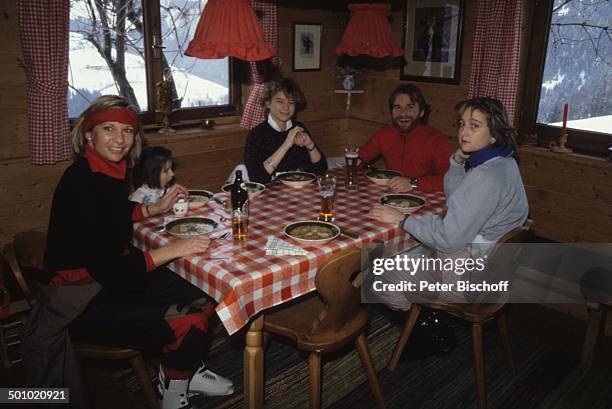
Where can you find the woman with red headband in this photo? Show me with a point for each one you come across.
(107, 291)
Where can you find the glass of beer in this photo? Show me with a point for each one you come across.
(327, 189)
(351, 155)
(240, 222)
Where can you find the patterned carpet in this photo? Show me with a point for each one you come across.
(544, 380)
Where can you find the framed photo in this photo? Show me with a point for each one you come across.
(306, 47)
(432, 40)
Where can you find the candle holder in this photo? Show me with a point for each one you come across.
(164, 104)
(561, 146)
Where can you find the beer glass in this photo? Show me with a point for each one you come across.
(327, 189)
(240, 222)
(351, 155)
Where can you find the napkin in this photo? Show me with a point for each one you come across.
(278, 247)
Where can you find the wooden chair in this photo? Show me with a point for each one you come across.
(596, 288)
(329, 321)
(27, 250)
(477, 315)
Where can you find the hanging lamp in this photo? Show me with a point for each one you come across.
(369, 32)
(229, 28)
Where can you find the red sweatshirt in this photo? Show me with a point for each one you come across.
(423, 153)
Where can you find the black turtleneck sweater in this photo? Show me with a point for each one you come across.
(263, 140)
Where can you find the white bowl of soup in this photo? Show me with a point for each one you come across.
(381, 177)
(403, 202)
(312, 232)
(296, 179)
(253, 188)
(198, 198)
(190, 226)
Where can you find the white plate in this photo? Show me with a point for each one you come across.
(254, 188)
(381, 177)
(190, 226)
(198, 198)
(388, 200)
(286, 179)
(333, 229)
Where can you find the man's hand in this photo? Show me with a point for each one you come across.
(386, 214)
(400, 184)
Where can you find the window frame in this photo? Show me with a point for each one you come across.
(151, 18)
(592, 143)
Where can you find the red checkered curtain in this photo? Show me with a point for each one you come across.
(261, 71)
(496, 56)
(43, 28)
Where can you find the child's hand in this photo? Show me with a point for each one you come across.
(168, 200)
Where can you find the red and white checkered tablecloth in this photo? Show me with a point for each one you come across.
(243, 280)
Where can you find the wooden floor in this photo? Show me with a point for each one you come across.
(557, 331)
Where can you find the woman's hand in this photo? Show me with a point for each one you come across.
(180, 248)
(303, 139)
(292, 135)
(400, 184)
(386, 214)
(191, 245)
(168, 200)
(459, 156)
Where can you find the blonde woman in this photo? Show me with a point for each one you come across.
(107, 291)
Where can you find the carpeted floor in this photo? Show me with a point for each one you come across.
(546, 378)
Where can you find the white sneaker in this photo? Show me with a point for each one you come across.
(174, 394)
(209, 383)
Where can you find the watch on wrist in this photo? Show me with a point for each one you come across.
(414, 182)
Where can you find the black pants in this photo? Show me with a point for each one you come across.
(139, 320)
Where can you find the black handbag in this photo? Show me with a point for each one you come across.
(433, 334)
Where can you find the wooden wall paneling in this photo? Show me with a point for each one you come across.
(13, 120)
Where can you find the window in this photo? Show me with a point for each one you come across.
(572, 63)
(126, 47)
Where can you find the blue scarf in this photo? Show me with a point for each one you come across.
(482, 155)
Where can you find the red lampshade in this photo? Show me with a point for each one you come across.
(229, 28)
(368, 32)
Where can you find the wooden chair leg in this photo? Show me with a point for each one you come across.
(597, 316)
(479, 365)
(368, 365)
(142, 375)
(314, 367)
(403, 339)
(502, 324)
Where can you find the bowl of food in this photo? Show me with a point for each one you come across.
(404, 203)
(190, 226)
(198, 198)
(253, 188)
(312, 232)
(381, 177)
(296, 179)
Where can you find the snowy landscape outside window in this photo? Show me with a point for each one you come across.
(578, 66)
(109, 54)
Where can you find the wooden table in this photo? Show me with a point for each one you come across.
(245, 282)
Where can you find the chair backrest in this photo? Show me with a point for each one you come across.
(334, 283)
(26, 250)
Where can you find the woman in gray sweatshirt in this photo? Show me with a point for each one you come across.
(485, 199)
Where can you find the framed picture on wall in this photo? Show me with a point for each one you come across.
(306, 47)
(432, 40)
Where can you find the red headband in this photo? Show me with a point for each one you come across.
(123, 115)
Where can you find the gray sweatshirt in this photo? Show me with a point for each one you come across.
(483, 204)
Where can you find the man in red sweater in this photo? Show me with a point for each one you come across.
(420, 152)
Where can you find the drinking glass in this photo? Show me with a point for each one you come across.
(327, 189)
(351, 155)
(240, 222)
